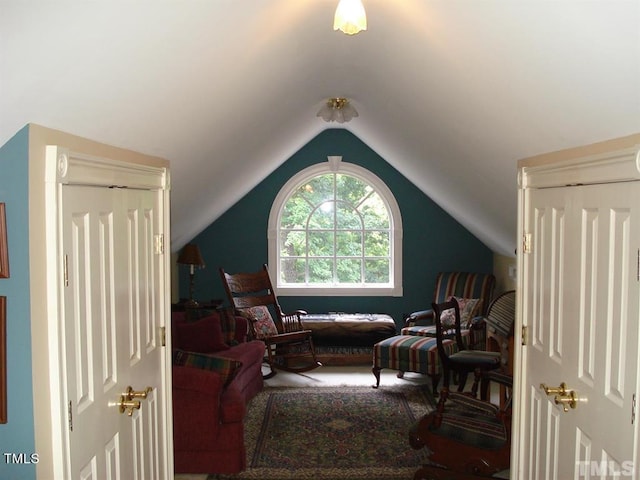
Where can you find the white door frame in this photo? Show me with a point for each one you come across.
(576, 166)
(64, 167)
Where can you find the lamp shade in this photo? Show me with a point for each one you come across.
(350, 17)
(190, 255)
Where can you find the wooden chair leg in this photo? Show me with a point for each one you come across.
(484, 389)
(435, 379)
(477, 378)
(270, 361)
(376, 373)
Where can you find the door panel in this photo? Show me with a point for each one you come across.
(111, 326)
(544, 301)
(580, 304)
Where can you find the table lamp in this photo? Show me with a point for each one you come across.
(190, 255)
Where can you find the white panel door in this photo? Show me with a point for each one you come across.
(580, 307)
(112, 333)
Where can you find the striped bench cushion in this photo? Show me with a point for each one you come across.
(410, 353)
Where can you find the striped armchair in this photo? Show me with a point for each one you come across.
(462, 285)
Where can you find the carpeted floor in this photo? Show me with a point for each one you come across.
(334, 433)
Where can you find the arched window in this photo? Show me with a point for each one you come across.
(335, 229)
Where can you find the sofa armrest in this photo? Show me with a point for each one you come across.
(196, 407)
(422, 317)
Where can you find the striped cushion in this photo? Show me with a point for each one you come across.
(430, 331)
(472, 428)
(409, 353)
(225, 367)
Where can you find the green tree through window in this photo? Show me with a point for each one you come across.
(335, 229)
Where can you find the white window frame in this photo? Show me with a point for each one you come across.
(335, 165)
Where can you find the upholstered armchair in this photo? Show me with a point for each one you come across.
(473, 292)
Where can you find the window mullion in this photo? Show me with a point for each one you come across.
(335, 229)
(371, 199)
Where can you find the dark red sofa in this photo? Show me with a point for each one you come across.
(216, 371)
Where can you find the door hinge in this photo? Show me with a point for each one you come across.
(525, 335)
(158, 244)
(65, 270)
(638, 266)
(526, 243)
(633, 409)
(163, 336)
(70, 411)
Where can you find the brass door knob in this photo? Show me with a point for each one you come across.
(568, 400)
(561, 390)
(130, 394)
(128, 406)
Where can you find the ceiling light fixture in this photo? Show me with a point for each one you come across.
(337, 109)
(350, 17)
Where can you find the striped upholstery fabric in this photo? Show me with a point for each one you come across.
(409, 353)
(461, 285)
(465, 285)
(472, 428)
(430, 331)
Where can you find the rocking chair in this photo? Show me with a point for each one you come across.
(289, 346)
(468, 438)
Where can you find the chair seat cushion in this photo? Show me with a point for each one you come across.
(471, 428)
(476, 357)
(430, 331)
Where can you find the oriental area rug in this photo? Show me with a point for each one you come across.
(334, 433)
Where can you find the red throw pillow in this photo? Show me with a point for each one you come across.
(201, 336)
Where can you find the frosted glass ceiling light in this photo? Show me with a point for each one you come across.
(337, 110)
(350, 17)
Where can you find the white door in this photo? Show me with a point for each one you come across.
(112, 332)
(580, 308)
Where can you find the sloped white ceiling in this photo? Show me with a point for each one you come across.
(450, 92)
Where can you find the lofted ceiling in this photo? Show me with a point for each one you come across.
(450, 92)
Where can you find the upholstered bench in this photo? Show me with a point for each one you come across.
(347, 338)
(410, 353)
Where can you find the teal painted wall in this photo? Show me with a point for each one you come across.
(17, 436)
(433, 241)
